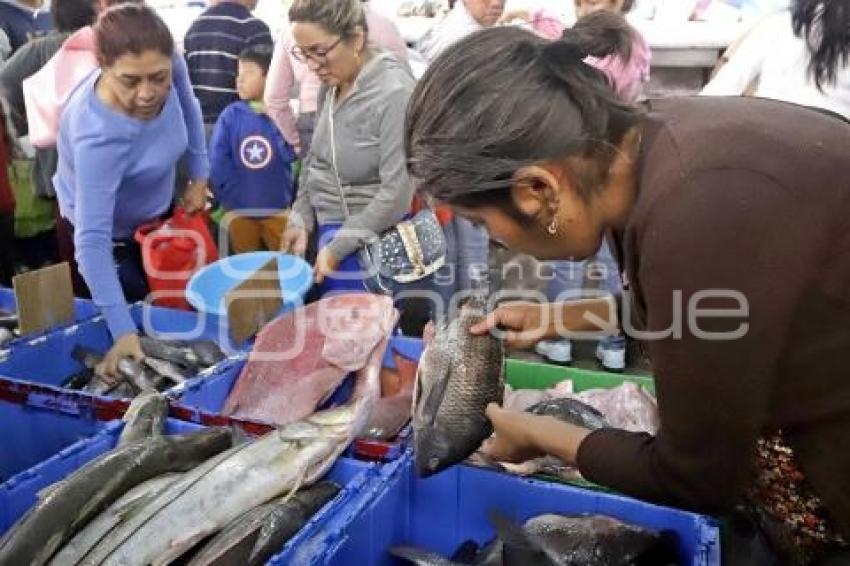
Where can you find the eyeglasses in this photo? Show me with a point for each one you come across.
(316, 54)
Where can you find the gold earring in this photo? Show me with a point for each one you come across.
(553, 227)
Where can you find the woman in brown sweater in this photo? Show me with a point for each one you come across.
(731, 218)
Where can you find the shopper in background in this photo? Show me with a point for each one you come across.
(251, 164)
(122, 133)
(7, 200)
(213, 44)
(705, 200)
(21, 21)
(68, 17)
(799, 55)
(357, 146)
(286, 72)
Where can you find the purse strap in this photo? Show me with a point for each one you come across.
(330, 106)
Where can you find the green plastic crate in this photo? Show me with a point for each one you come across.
(522, 374)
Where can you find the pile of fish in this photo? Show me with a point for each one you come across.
(301, 358)
(156, 499)
(459, 375)
(166, 364)
(8, 326)
(558, 540)
(628, 406)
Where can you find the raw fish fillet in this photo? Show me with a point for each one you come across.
(300, 358)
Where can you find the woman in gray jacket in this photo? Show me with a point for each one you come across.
(357, 146)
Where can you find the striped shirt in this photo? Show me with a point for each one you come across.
(213, 44)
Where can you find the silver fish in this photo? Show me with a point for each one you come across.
(166, 369)
(135, 374)
(459, 375)
(66, 507)
(224, 487)
(145, 417)
(254, 537)
(94, 532)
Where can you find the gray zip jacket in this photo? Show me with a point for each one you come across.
(369, 132)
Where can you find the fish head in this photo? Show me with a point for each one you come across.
(434, 451)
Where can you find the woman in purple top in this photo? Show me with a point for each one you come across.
(121, 135)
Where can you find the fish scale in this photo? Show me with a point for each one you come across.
(459, 375)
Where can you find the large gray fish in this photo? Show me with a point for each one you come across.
(172, 352)
(596, 540)
(69, 505)
(254, 537)
(459, 375)
(145, 417)
(559, 540)
(212, 495)
(101, 526)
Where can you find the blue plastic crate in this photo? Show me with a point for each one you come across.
(360, 481)
(84, 309)
(441, 512)
(47, 359)
(33, 434)
(20, 492)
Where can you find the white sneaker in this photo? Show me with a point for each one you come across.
(611, 353)
(555, 351)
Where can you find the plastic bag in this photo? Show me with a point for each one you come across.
(172, 251)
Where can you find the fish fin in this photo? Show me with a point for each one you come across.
(298, 483)
(417, 556)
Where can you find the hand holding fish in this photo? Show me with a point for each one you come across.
(522, 324)
(126, 346)
(521, 436)
(518, 324)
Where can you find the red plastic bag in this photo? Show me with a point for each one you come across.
(172, 251)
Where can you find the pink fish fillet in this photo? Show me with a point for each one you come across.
(300, 358)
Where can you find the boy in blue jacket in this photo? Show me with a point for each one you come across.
(251, 164)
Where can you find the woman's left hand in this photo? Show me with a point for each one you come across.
(520, 436)
(326, 264)
(195, 197)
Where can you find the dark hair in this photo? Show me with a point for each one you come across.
(260, 54)
(340, 17)
(603, 31)
(504, 98)
(71, 15)
(130, 28)
(627, 6)
(825, 27)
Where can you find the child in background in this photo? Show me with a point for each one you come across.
(251, 164)
(627, 71)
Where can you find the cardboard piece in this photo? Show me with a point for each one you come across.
(45, 298)
(254, 302)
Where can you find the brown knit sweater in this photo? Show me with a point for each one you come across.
(752, 196)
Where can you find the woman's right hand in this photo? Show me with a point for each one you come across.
(127, 346)
(519, 324)
(294, 240)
